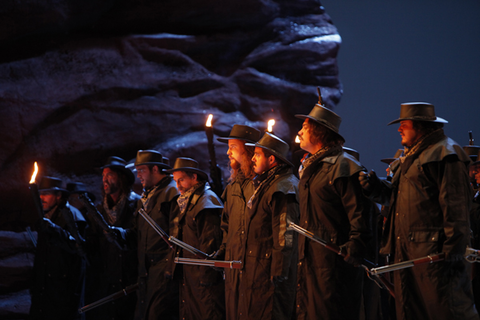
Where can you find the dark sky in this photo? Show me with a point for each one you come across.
(396, 51)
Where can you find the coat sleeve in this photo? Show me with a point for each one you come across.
(357, 214)
(454, 197)
(284, 208)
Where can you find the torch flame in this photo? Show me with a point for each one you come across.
(209, 120)
(297, 139)
(271, 123)
(34, 175)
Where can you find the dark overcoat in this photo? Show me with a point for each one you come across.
(58, 270)
(202, 293)
(332, 207)
(271, 250)
(235, 197)
(111, 269)
(158, 291)
(430, 196)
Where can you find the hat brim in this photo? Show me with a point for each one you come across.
(225, 139)
(65, 191)
(275, 153)
(192, 170)
(325, 124)
(437, 120)
(128, 173)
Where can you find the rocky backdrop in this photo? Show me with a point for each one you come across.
(83, 80)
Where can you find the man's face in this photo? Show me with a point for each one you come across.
(145, 175)
(49, 199)
(476, 170)
(184, 181)
(408, 133)
(111, 181)
(305, 138)
(236, 148)
(260, 162)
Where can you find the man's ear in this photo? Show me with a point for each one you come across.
(272, 159)
(195, 177)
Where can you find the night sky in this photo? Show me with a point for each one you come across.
(404, 51)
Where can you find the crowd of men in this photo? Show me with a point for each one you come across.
(428, 204)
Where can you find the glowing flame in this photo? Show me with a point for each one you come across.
(271, 123)
(34, 175)
(297, 139)
(209, 120)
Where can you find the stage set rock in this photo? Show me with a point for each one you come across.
(80, 82)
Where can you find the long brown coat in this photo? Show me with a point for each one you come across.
(202, 294)
(429, 213)
(234, 198)
(332, 207)
(271, 250)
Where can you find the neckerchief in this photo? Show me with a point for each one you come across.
(263, 179)
(114, 212)
(412, 152)
(183, 199)
(310, 159)
(147, 195)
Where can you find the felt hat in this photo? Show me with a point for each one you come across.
(51, 184)
(145, 157)
(275, 145)
(395, 157)
(418, 111)
(242, 132)
(79, 187)
(324, 117)
(117, 163)
(188, 165)
(472, 151)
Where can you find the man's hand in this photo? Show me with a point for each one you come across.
(368, 181)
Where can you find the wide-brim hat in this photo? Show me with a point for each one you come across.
(472, 151)
(418, 111)
(118, 164)
(477, 161)
(395, 157)
(51, 184)
(324, 117)
(275, 145)
(188, 165)
(241, 132)
(78, 188)
(145, 157)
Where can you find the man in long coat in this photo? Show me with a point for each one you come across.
(332, 207)
(59, 265)
(271, 249)
(202, 289)
(158, 288)
(235, 197)
(429, 203)
(112, 269)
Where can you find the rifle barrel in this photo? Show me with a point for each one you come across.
(210, 263)
(112, 297)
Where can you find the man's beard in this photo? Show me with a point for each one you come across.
(234, 164)
(111, 188)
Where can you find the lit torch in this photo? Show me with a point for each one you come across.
(34, 191)
(271, 123)
(215, 171)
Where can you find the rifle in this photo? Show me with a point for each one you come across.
(210, 263)
(215, 171)
(112, 297)
(172, 240)
(156, 227)
(380, 281)
(471, 255)
(98, 217)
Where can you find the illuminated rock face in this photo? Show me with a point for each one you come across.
(81, 83)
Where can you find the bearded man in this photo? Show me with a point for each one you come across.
(429, 198)
(235, 197)
(111, 268)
